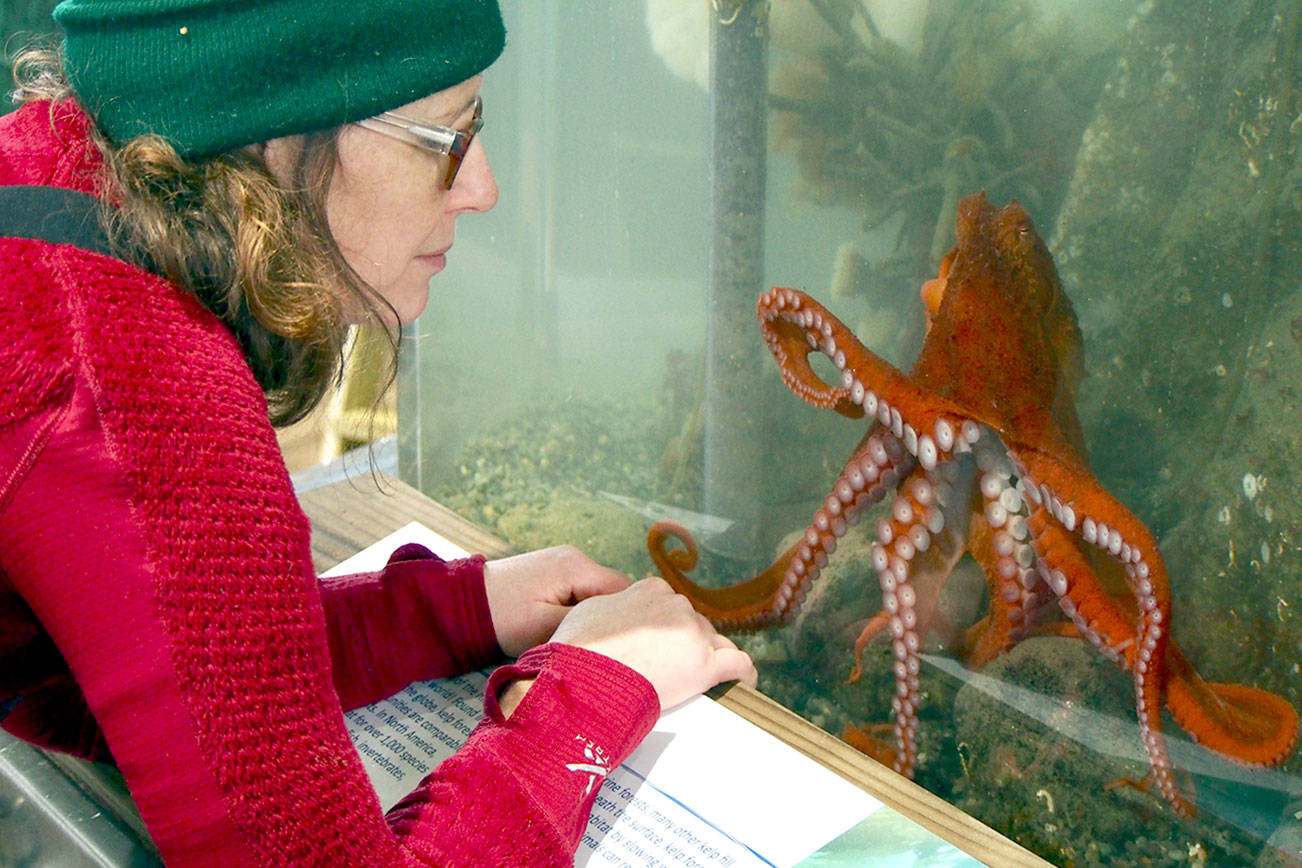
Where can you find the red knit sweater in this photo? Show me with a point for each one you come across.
(158, 602)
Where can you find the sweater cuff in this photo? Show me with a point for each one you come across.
(583, 715)
(419, 618)
(467, 626)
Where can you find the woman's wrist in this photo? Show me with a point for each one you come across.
(512, 695)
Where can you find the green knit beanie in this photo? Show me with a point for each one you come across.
(213, 75)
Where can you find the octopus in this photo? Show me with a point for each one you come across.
(982, 453)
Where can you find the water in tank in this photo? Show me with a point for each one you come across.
(1021, 433)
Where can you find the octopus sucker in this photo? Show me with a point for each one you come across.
(944, 433)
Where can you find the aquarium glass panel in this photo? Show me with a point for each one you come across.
(1011, 459)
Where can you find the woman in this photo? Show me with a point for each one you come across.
(268, 173)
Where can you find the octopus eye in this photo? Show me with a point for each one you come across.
(1023, 229)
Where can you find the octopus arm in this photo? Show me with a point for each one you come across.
(1078, 503)
(777, 593)
(1243, 723)
(794, 326)
(749, 605)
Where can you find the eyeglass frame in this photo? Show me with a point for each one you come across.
(447, 141)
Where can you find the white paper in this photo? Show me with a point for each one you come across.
(404, 737)
(705, 788)
(741, 780)
(375, 556)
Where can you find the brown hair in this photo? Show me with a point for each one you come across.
(254, 249)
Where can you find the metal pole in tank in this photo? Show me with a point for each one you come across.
(734, 424)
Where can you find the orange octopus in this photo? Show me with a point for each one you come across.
(983, 449)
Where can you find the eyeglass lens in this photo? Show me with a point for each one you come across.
(462, 145)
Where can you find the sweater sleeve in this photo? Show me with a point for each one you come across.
(542, 766)
(418, 618)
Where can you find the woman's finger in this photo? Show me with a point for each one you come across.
(733, 664)
(721, 641)
(591, 583)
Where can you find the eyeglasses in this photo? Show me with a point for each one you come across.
(441, 140)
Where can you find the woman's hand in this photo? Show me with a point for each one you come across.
(529, 594)
(655, 631)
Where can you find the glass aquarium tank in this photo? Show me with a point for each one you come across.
(1015, 454)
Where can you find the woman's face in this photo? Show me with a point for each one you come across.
(388, 208)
